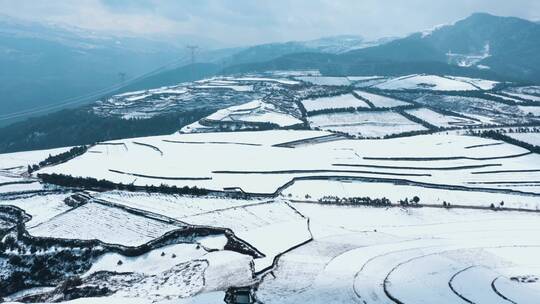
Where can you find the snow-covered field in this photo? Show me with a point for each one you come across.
(310, 252)
(272, 228)
(530, 138)
(440, 120)
(319, 189)
(40, 207)
(175, 206)
(364, 78)
(334, 102)
(266, 79)
(254, 221)
(20, 186)
(19, 161)
(481, 84)
(507, 98)
(326, 81)
(255, 111)
(530, 110)
(365, 124)
(292, 231)
(433, 82)
(486, 111)
(527, 97)
(377, 255)
(109, 225)
(252, 162)
(380, 101)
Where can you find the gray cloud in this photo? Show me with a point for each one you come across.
(240, 22)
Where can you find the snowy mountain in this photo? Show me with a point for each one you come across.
(109, 63)
(481, 45)
(328, 45)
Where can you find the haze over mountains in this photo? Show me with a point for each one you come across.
(332, 170)
(46, 65)
(50, 64)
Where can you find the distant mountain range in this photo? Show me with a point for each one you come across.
(44, 65)
(482, 45)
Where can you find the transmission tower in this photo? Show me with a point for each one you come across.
(193, 51)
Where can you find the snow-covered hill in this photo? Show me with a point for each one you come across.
(295, 188)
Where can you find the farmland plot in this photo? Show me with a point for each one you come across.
(271, 227)
(19, 161)
(531, 111)
(18, 186)
(504, 97)
(253, 112)
(107, 224)
(404, 260)
(325, 81)
(440, 120)
(444, 161)
(530, 138)
(365, 124)
(526, 97)
(481, 84)
(267, 79)
(335, 102)
(197, 281)
(216, 271)
(317, 190)
(427, 82)
(380, 101)
(40, 207)
(175, 206)
(487, 111)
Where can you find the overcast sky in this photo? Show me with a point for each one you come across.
(244, 22)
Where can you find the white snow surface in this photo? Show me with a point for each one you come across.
(255, 111)
(365, 255)
(523, 96)
(428, 82)
(251, 162)
(482, 84)
(530, 138)
(20, 160)
(238, 88)
(318, 189)
(380, 101)
(107, 224)
(334, 102)
(365, 124)
(440, 120)
(535, 111)
(41, 207)
(325, 80)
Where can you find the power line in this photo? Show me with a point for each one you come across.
(85, 98)
(193, 49)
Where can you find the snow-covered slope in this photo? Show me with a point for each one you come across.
(435, 83)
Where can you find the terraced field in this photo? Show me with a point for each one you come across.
(361, 189)
(259, 163)
(370, 255)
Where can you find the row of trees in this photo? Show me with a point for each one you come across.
(500, 135)
(101, 185)
(367, 201)
(59, 158)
